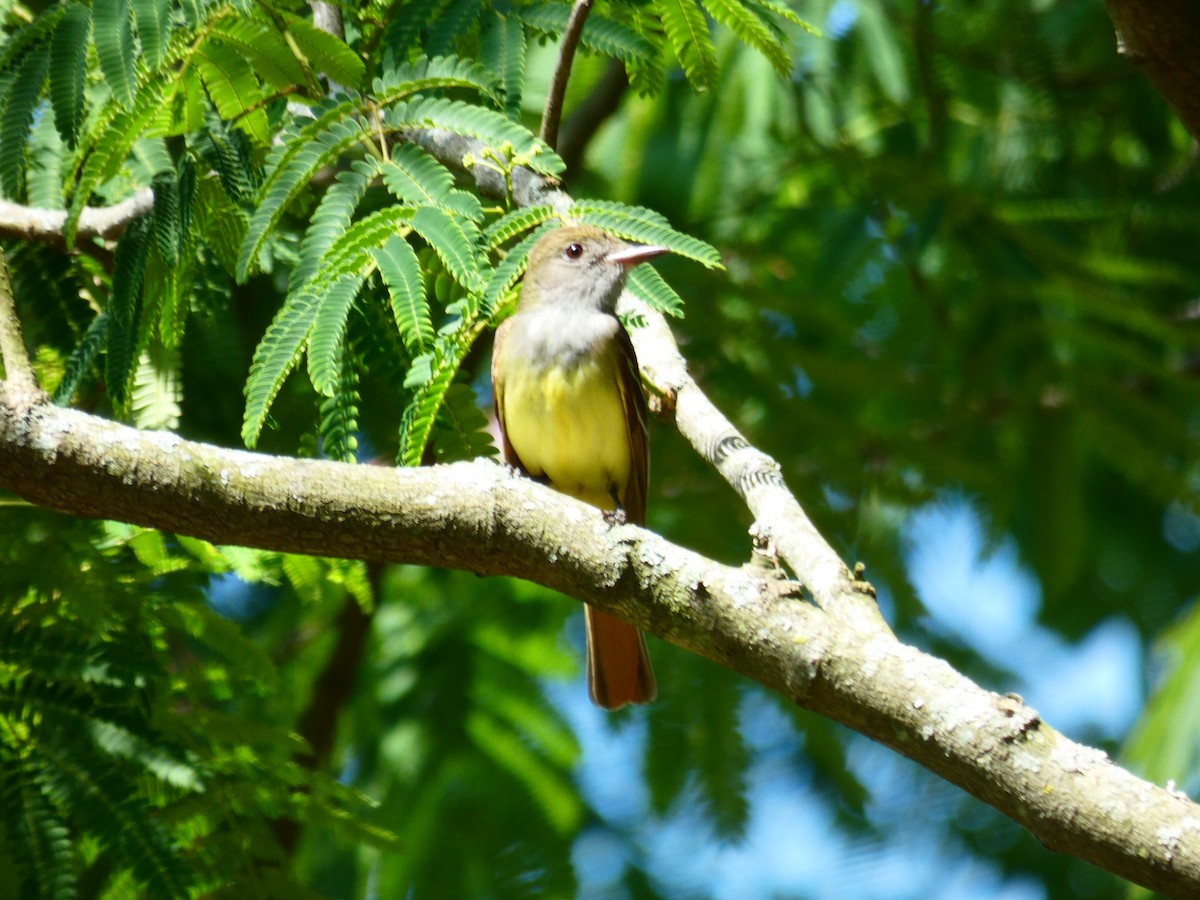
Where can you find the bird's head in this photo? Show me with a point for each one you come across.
(581, 265)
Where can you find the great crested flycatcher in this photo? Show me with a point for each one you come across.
(571, 411)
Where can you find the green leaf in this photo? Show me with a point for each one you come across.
(228, 150)
(264, 47)
(549, 785)
(152, 18)
(332, 217)
(125, 307)
(157, 389)
(415, 177)
(274, 358)
(401, 273)
(645, 226)
(81, 360)
(520, 220)
(645, 281)
(303, 155)
(601, 34)
(234, 89)
(751, 30)
(502, 50)
(166, 216)
(17, 117)
(112, 28)
(491, 127)
(457, 18)
(440, 73)
(339, 420)
(506, 275)
(688, 33)
(108, 143)
(431, 375)
(326, 53)
(68, 67)
(41, 846)
(460, 432)
(455, 242)
(325, 344)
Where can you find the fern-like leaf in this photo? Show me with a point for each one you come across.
(108, 143)
(402, 275)
(152, 21)
(112, 28)
(475, 121)
(687, 30)
(645, 281)
(235, 91)
(104, 803)
(157, 389)
(125, 307)
(502, 49)
(455, 240)
(20, 41)
(439, 73)
(461, 429)
(274, 358)
(785, 12)
(414, 176)
(332, 217)
(456, 19)
(68, 67)
(229, 151)
(325, 344)
(82, 359)
(303, 157)
(601, 34)
(326, 53)
(41, 843)
(520, 220)
(431, 375)
(265, 48)
(17, 117)
(505, 276)
(645, 226)
(752, 30)
(339, 417)
(166, 216)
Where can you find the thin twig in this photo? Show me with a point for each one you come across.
(562, 72)
(17, 369)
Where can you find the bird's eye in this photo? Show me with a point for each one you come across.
(574, 251)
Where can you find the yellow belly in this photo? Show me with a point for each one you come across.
(569, 426)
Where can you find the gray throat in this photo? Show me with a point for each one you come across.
(552, 337)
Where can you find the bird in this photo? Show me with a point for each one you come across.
(569, 401)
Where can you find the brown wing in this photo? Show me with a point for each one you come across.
(510, 455)
(619, 669)
(634, 500)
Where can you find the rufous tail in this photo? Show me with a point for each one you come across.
(618, 665)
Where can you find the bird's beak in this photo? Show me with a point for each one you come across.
(632, 254)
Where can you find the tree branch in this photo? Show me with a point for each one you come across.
(1161, 37)
(481, 518)
(45, 226)
(552, 114)
(17, 369)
